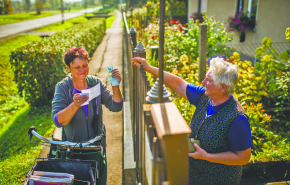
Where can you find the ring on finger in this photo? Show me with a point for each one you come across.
(78, 100)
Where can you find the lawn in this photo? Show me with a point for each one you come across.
(71, 22)
(67, 24)
(17, 154)
(18, 17)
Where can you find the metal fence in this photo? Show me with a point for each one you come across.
(247, 51)
(160, 134)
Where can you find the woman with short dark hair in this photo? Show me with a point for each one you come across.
(66, 105)
(78, 122)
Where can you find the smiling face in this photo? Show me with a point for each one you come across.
(79, 68)
(212, 90)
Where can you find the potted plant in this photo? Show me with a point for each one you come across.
(197, 16)
(241, 23)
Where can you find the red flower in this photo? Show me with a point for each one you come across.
(172, 21)
(152, 37)
(177, 22)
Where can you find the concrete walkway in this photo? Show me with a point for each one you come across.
(109, 52)
(9, 30)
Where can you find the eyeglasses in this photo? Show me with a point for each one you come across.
(80, 68)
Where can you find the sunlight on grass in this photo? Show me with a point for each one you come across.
(12, 18)
(18, 17)
(67, 24)
(110, 20)
(16, 153)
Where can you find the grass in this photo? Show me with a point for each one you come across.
(17, 154)
(110, 20)
(70, 23)
(67, 24)
(18, 17)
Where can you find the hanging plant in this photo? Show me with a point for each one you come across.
(241, 23)
(197, 16)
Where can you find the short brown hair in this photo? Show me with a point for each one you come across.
(73, 53)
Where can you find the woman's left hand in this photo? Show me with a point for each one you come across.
(116, 73)
(199, 153)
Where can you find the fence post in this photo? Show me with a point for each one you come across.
(140, 51)
(173, 132)
(202, 51)
(133, 34)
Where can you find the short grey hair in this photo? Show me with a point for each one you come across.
(223, 72)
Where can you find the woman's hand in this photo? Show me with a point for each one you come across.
(199, 153)
(138, 61)
(116, 73)
(79, 99)
(227, 158)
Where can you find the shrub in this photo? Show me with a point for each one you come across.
(183, 41)
(256, 82)
(39, 65)
(241, 22)
(197, 16)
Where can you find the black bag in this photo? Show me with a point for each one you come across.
(82, 170)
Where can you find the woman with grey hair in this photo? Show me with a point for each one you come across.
(220, 123)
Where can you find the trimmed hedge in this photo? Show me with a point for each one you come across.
(39, 65)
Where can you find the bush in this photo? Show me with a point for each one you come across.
(39, 65)
(256, 82)
(241, 22)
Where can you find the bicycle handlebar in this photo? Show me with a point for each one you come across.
(33, 131)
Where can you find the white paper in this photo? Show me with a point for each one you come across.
(92, 93)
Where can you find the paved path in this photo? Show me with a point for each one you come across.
(12, 29)
(109, 52)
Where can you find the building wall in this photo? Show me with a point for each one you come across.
(221, 8)
(273, 17)
(192, 7)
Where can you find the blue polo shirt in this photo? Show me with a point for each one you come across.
(239, 135)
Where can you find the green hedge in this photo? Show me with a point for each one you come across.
(38, 66)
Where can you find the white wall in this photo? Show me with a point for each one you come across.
(192, 7)
(273, 17)
(221, 8)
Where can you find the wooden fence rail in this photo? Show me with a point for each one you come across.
(160, 134)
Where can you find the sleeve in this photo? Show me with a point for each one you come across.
(239, 135)
(59, 103)
(107, 99)
(193, 93)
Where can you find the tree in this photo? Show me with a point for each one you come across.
(27, 5)
(7, 6)
(39, 5)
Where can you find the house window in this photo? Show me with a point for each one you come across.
(248, 5)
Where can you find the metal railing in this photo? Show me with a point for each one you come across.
(160, 134)
(247, 51)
